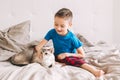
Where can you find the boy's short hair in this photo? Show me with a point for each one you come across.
(64, 13)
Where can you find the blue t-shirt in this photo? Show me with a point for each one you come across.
(62, 44)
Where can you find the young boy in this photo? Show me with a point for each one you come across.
(67, 47)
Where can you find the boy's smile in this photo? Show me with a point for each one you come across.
(61, 25)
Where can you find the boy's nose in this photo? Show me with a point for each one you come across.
(58, 28)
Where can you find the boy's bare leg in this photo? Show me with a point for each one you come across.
(96, 72)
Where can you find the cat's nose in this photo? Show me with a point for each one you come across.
(46, 53)
(50, 66)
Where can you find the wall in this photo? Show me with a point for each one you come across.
(92, 18)
(116, 23)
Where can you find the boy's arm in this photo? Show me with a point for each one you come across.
(80, 53)
(40, 45)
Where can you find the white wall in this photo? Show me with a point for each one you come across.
(92, 18)
(116, 25)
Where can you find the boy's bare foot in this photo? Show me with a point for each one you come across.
(99, 73)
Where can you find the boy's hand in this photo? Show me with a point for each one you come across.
(62, 56)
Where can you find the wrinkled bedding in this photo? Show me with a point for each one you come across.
(102, 56)
(15, 40)
(106, 57)
(35, 71)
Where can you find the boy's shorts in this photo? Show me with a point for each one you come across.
(73, 61)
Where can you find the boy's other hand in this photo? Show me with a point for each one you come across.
(62, 56)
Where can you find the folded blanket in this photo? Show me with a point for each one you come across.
(25, 56)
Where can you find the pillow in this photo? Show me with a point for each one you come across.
(84, 40)
(20, 32)
(12, 39)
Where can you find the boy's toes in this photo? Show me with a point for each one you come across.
(99, 73)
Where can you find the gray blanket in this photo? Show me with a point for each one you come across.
(15, 46)
(101, 56)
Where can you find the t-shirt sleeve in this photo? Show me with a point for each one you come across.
(76, 42)
(48, 36)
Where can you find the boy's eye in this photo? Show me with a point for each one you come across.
(56, 24)
(62, 26)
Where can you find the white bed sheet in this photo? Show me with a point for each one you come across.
(101, 56)
(35, 71)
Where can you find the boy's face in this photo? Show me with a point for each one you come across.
(61, 25)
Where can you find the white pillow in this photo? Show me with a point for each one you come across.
(20, 32)
(12, 39)
(84, 40)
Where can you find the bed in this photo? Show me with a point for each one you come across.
(14, 40)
